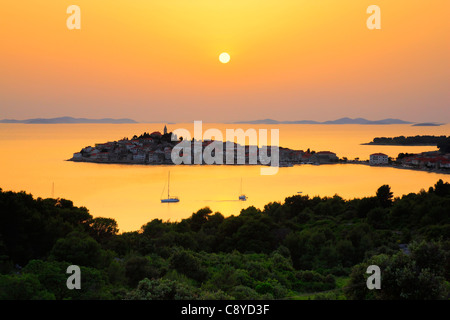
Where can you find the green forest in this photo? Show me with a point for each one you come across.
(303, 248)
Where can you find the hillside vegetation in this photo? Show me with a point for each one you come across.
(314, 248)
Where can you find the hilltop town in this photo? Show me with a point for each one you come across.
(156, 148)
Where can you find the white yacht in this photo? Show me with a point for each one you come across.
(169, 198)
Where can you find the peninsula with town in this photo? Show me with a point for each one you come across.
(156, 149)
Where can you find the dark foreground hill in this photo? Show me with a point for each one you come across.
(301, 248)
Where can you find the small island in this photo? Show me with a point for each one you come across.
(427, 124)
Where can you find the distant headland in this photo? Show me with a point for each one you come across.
(66, 120)
(423, 140)
(346, 120)
(338, 121)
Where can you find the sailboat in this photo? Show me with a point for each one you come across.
(169, 198)
(242, 197)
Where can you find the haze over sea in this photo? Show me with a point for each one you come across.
(33, 160)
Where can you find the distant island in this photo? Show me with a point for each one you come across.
(66, 120)
(346, 120)
(427, 124)
(338, 121)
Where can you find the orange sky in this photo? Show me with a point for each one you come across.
(157, 60)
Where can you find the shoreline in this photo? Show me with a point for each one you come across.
(438, 171)
(284, 165)
(399, 145)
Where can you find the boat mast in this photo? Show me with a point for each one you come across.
(168, 187)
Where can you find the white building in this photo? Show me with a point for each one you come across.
(378, 158)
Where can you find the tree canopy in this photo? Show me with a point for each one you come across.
(304, 246)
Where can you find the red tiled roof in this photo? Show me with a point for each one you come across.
(378, 154)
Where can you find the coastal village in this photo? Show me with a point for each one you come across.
(156, 148)
(430, 161)
(426, 160)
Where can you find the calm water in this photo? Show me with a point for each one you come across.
(33, 159)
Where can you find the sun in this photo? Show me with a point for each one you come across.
(224, 57)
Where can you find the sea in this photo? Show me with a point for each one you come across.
(33, 158)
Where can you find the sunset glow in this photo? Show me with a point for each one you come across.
(141, 59)
(237, 150)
